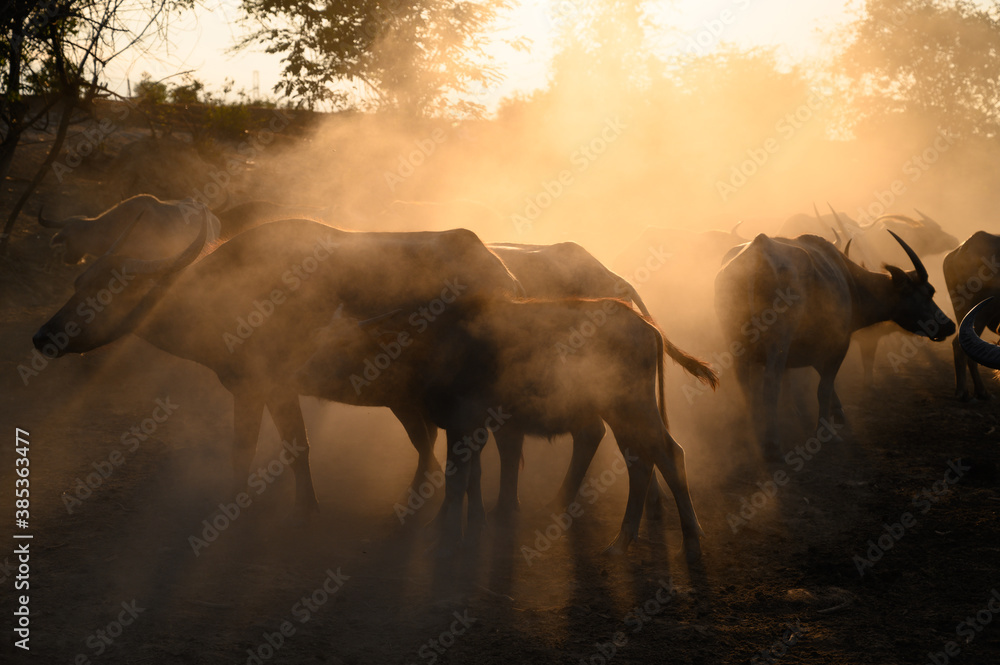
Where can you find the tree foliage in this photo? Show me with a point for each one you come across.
(412, 56)
(938, 60)
(59, 49)
(150, 92)
(187, 93)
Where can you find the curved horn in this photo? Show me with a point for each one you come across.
(899, 218)
(924, 218)
(838, 240)
(735, 231)
(840, 222)
(975, 347)
(48, 223)
(124, 235)
(819, 218)
(155, 295)
(917, 263)
(169, 265)
(847, 248)
(376, 319)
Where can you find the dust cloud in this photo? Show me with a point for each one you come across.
(657, 167)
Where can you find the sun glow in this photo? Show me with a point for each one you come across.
(202, 42)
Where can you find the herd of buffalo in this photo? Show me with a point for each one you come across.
(505, 340)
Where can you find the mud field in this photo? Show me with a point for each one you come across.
(137, 555)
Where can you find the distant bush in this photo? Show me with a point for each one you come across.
(233, 120)
(149, 92)
(230, 121)
(187, 93)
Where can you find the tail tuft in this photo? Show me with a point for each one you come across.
(696, 368)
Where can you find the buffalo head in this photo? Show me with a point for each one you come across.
(110, 298)
(914, 308)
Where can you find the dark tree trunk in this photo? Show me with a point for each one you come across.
(8, 227)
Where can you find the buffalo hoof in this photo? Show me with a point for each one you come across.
(418, 496)
(504, 516)
(239, 487)
(692, 550)
(302, 517)
(307, 505)
(436, 526)
(403, 518)
(476, 523)
(474, 537)
(443, 543)
(772, 454)
(619, 546)
(444, 550)
(838, 417)
(985, 395)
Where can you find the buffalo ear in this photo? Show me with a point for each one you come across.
(899, 277)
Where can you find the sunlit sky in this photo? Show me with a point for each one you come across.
(202, 40)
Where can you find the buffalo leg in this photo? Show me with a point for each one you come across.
(456, 486)
(248, 411)
(639, 474)
(747, 378)
(827, 396)
(961, 361)
(670, 462)
(474, 492)
(774, 368)
(654, 499)
(654, 445)
(838, 409)
(585, 443)
(510, 444)
(868, 345)
(422, 433)
(977, 379)
(287, 415)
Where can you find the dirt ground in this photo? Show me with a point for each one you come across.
(118, 573)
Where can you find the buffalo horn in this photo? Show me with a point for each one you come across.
(975, 347)
(123, 236)
(924, 218)
(840, 222)
(48, 223)
(169, 265)
(917, 263)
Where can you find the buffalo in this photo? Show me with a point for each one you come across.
(809, 299)
(245, 310)
(972, 273)
(507, 367)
